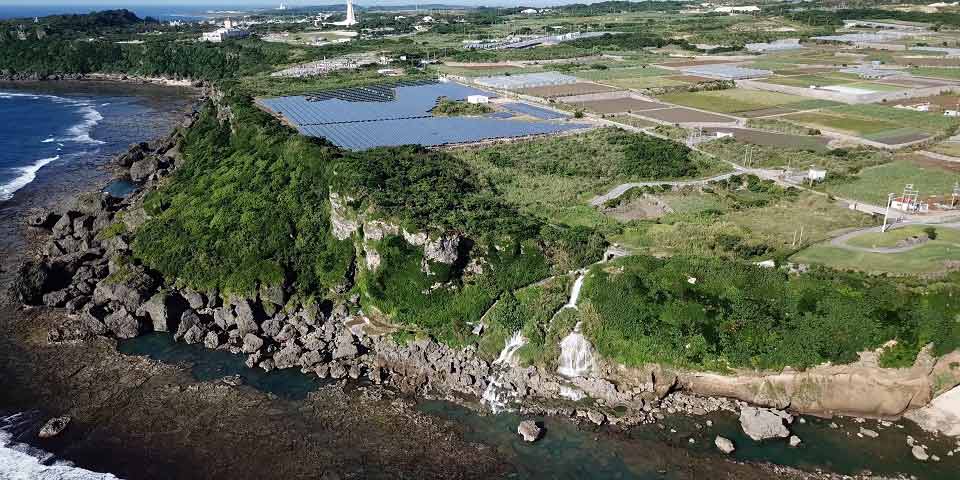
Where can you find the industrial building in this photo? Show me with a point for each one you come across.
(228, 32)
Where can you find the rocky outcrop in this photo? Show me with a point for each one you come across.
(761, 423)
(54, 427)
(341, 225)
(529, 430)
(724, 444)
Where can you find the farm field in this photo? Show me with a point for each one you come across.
(946, 148)
(633, 121)
(770, 139)
(619, 105)
(819, 80)
(742, 100)
(486, 70)
(933, 72)
(873, 184)
(555, 91)
(877, 123)
(686, 115)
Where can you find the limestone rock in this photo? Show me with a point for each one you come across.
(195, 334)
(794, 441)
(122, 324)
(251, 343)
(288, 357)
(341, 226)
(762, 423)
(724, 444)
(866, 432)
(529, 430)
(212, 340)
(920, 453)
(442, 250)
(245, 318)
(161, 311)
(188, 320)
(141, 170)
(597, 418)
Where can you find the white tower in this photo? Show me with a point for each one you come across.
(351, 19)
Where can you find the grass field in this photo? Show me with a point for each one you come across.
(741, 100)
(699, 220)
(555, 178)
(933, 72)
(947, 148)
(820, 80)
(873, 184)
(890, 238)
(928, 258)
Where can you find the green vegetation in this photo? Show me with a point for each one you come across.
(554, 178)
(933, 257)
(873, 184)
(247, 207)
(738, 100)
(451, 108)
(707, 313)
(779, 126)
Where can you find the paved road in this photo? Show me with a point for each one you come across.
(625, 187)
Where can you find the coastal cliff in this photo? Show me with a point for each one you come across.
(86, 268)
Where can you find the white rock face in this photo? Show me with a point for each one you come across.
(795, 441)
(941, 415)
(724, 444)
(762, 423)
(340, 225)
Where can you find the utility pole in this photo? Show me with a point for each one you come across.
(886, 213)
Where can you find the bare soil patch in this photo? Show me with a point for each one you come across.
(620, 105)
(776, 139)
(925, 161)
(904, 138)
(643, 208)
(579, 88)
(763, 112)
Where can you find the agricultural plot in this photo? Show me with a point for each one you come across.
(820, 80)
(945, 73)
(873, 184)
(891, 126)
(555, 91)
(633, 121)
(770, 139)
(619, 105)
(686, 115)
(486, 70)
(740, 100)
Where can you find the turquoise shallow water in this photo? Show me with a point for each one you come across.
(574, 451)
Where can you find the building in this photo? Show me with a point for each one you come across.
(816, 175)
(228, 32)
(478, 99)
(736, 10)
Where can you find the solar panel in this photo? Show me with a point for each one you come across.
(431, 131)
(535, 112)
(501, 115)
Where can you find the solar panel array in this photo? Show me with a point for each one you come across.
(367, 104)
(535, 112)
(368, 117)
(431, 131)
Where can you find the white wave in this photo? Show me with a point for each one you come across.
(23, 462)
(80, 132)
(49, 140)
(26, 175)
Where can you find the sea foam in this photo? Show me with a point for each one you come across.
(20, 461)
(26, 175)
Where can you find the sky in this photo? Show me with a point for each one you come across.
(250, 3)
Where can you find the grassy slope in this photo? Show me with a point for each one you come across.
(873, 184)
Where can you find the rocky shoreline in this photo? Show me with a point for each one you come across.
(79, 271)
(106, 77)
